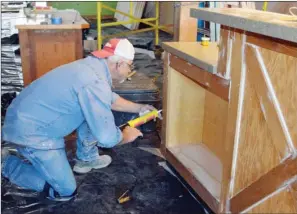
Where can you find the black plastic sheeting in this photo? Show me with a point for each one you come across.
(11, 72)
(6, 99)
(145, 40)
(154, 189)
(11, 67)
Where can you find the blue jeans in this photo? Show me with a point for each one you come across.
(50, 166)
(86, 144)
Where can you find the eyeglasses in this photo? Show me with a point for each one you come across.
(131, 67)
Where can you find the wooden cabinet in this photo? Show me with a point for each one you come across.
(195, 113)
(45, 47)
(230, 112)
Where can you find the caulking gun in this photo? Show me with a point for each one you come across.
(144, 118)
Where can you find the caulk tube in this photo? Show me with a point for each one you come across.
(143, 119)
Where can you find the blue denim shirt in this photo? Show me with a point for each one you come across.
(57, 103)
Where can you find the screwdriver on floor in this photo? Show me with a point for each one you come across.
(146, 117)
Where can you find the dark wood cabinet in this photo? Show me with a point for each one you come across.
(45, 47)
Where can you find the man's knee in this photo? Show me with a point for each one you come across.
(68, 189)
(64, 188)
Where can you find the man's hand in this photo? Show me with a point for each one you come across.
(145, 107)
(124, 105)
(130, 134)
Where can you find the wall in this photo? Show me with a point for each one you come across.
(85, 8)
(277, 7)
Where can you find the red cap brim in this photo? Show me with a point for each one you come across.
(102, 53)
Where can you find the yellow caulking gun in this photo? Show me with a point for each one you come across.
(143, 119)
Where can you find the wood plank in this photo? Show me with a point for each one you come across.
(185, 27)
(224, 50)
(211, 82)
(164, 102)
(265, 185)
(282, 202)
(203, 164)
(229, 139)
(294, 190)
(277, 45)
(79, 44)
(215, 121)
(254, 143)
(167, 15)
(185, 105)
(24, 36)
(268, 103)
(282, 71)
(33, 55)
(192, 181)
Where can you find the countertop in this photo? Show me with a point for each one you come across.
(205, 57)
(275, 25)
(70, 20)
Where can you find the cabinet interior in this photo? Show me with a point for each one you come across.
(196, 129)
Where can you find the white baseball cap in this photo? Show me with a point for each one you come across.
(119, 47)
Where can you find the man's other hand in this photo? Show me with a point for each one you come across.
(145, 108)
(130, 134)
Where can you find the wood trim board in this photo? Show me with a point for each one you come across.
(213, 83)
(267, 184)
(277, 45)
(25, 49)
(164, 102)
(192, 181)
(269, 103)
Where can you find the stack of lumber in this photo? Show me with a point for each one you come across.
(138, 8)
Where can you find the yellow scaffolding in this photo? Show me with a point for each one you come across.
(265, 6)
(131, 20)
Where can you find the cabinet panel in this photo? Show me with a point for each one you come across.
(185, 110)
(282, 202)
(44, 50)
(255, 143)
(195, 129)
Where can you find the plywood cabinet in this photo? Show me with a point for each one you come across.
(45, 47)
(230, 112)
(195, 109)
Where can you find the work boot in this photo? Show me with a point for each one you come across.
(86, 166)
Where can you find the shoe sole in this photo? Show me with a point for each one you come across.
(84, 170)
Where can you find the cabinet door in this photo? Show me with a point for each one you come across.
(44, 50)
